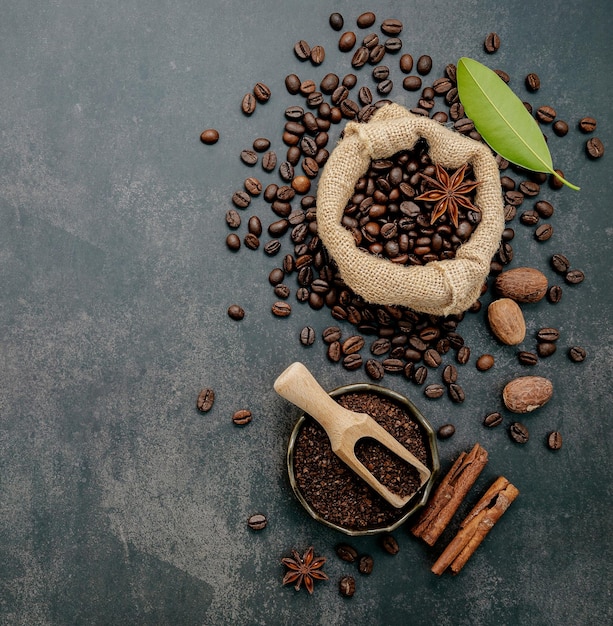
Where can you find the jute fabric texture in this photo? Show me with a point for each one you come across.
(439, 287)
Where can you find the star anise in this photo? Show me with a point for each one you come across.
(304, 569)
(449, 193)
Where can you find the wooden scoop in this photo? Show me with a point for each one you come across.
(344, 428)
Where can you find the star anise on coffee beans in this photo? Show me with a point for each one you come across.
(449, 193)
(304, 569)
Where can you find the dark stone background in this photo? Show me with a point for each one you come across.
(119, 502)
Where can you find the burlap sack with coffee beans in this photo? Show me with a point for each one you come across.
(439, 287)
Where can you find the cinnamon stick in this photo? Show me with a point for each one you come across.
(476, 526)
(449, 495)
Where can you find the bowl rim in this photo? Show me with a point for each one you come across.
(423, 493)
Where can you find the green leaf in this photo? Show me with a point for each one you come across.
(501, 118)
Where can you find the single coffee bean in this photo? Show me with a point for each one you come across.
(233, 242)
(554, 440)
(545, 114)
(334, 351)
(389, 544)
(209, 136)
(205, 401)
(233, 219)
(331, 334)
(374, 369)
(554, 181)
(434, 391)
(544, 209)
(366, 20)
(463, 355)
(249, 157)
(380, 346)
(545, 348)
(276, 276)
(554, 294)
(450, 374)
(346, 553)
(352, 362)
(420, 374)
(594, 148)
(248, 104)
(491, 43)
(261, 92)
(318, 54)
(394, 365)
(347, 41)
(503, 75)
(543, 232)
(485, 362)
(491, 420)
(257, 521)
(385, 86)
(432, 358)
(547, 334)
(529, 218)
(456, 393)
(577, 354)
(406, 63)
(376, 54)
(393, 44)
(412, 83)
(360, 57)
(371, 40)
(391, 27)
(292, 83)
(269, 161)
(282, 291)
(365, 95)
(587, 125)
(242, 417)
(574, 277)
(445, 431)
(529, 188)
(253, 186)
(329, 83)
(519, 433)
(302, 50)
(349, 108)
(307, 336)
(255, 225)
(336, 21)
(346, 586)
(366, 564)
(527, 358)
(533, 82)
(286, 171)
(424, 64)
(236, 312)
(560, 128)
(353, 344)
(560, 263)
(281, 309)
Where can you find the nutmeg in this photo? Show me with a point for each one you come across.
(527, 393)
(507, 321)
(522, 284)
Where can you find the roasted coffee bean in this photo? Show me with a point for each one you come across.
(554, 440)
(209, 136)
(587, 125)
(307, 86)
(554, 294)
(434, 391)
(347, 41)
(233, 219)
(527, 358)
(242, 417)
(261, 92)
(318, 54)
(485, 362)
(432, 358)
(360, 57)
(331, 334)
(574, 277)
(255, 225)
(292, 83)
(391, 26)
(503, 75)
(507, 183)
(450, 374)
(276, 276)
(314, 99)
(509, 212)
(544, 209)
(370, 41)
(412, 83)
(281, 309)
(286, 171)
(406, 63)
(514, 198)
(393, 44)
(554, 181)
(366, 20)
(329, 83)
(456, 393)
(346, 586)
(533, 82)
(302, 50)
(560, 128)
(257, 521)
(547, 334)
(336, 21)
(389, 544)
(491, 43)
(376, 54)
(380, 346)
(353, 344)
(346, 552)
(366, 564)
(248, 104)
(307, 336)
(445, 431)
(560, 263)
(545, 348)
(491, 420)
(334, 351)
(374, 369)
(424, 64)
(269, 161)
(545, 114)
(519, 433)
(543, 232)
(529, 188)
(233, 242)
(529, 218)
(577, 354)
(463, 355)
(352, 361)
(393, 365)
(261, 144)
(594, 148)
(253, 186)
(441, 86)
(385, 86)
(365, 95)
(302, 184)
(249, 157)
(282, 291)
(420, 374)
(349, 108)
(349, 81)
(236, 312)
(205, 401)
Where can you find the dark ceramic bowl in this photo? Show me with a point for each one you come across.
(419, 498)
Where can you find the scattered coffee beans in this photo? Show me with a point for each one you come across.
(205, 401)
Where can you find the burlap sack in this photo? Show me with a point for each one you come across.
(439, 287)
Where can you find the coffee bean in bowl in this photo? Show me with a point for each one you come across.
(334, 495)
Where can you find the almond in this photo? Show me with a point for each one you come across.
(507, 321)
(522, 284)
(526, 393)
